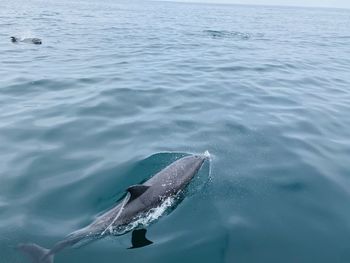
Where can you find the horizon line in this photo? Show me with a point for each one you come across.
(243, 4)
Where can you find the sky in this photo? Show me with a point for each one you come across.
(315, 3)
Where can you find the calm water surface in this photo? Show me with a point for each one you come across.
(118, 90)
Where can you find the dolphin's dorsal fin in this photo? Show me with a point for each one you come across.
(136, 190)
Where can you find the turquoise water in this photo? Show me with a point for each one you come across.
(118, 90)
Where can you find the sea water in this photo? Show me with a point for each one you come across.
(118, 90)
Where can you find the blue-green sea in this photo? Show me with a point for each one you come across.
(120, 89)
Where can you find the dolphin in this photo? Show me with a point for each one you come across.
(32, 40)
(140, 199)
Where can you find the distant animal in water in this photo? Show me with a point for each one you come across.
(36, 41)
(139, 200)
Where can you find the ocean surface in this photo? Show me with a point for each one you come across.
(118, 90)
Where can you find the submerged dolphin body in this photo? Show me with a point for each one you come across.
(139, 200)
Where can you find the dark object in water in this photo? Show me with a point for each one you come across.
(227, 34)
(36, 41)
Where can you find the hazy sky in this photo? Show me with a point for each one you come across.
(319, 3)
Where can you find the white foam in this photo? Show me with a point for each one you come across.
(147, 218)
(206, 154)
(26, 34)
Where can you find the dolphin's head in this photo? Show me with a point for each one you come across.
(190, 165)
(36, 41)
(199, 159)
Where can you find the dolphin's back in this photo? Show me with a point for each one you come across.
(176, 176)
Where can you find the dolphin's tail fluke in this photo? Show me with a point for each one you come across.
(36, 253)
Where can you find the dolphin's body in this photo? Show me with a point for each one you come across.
(140, 199)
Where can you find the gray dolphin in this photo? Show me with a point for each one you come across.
(139, 200)
(32, 40)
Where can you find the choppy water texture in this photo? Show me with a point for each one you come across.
(118, 90)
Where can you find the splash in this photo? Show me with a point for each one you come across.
(146, 219)
(206, 154)
(209, 156)
(25, 34)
